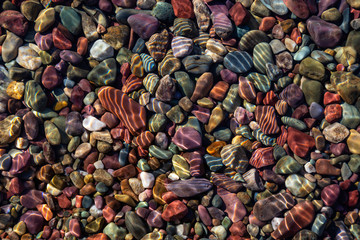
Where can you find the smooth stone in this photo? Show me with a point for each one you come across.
(197, 64)
(350, 116)
(324, 34)
(353, 142)
(276, 6)
(189, 187)
(10, 47)
(302, 53)
(34, 96)
(92, 124)
(319, 224)
(33, 220)
(262, 55)
(187, 138)
(14, 21)
(238, 61)
(114, 232)
(176, 210)
(298, 8)
(233, 206)
(104, 73)
(101, 50)
(143, 25)
(298, 185)
(28, 58)
(52, 133)
(336, 132)
(164, 12)
(300, 143)
(270, 207)
(287, 165)
(45, 20)
(234, 156)
(251, 39)
(312, 69)
(71, 20)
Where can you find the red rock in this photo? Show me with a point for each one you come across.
(14, 21)
(282, 138)
(238, 229)
(267, 24)
(333, 113)
(297, 218)
(298, 7)
(203, 86)
(204, 215)
(270, 98)
(183, 8)
(45, 211)
(108, 214)
(239, 14)
(125, 172)
(262, 157)
(233, 206)
(82, 46)
(246, 89)
(259, 98)
(300, 143)
(176, 210)
(330, 194)
(145, 139)
(266, 117)
(63, 201)
(50, 78)
(169, 197)
(218, 92)
(132, 83)
(60, 41)
(300, 112)
(324, 167)
(353, 198)
(296, 36)
(98, 236)
(130, 113)
(74, 227)
(330, 98)
(110, 120)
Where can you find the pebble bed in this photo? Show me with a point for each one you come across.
(179, 119)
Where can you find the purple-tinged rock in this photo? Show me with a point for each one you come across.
(154, 219)
(50, 78)
(44, 42)
(31, 199)
(144, 25)
(71, 56)
(187, 138)
(14, 21)
(74, 125)
(293, 95)
(324, 34)
(298, 7)
(20, 163)
(189, 187)
(234, 207)
(33, 220)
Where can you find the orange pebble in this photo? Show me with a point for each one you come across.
(44, 209)
(82, 46)
(214, 148)
(78, 201)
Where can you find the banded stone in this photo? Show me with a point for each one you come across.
(246, 89)
(181, 46)
(266, 117)
(130, 113)
(197, 64)
(151, 82)
(238, 61)
(262, 55)
(185, 27)
(233, 206)
(287, 165)
(262, 157)
(137, 67)
(189, 187)
(157, 45)
(234, 156)
(298, 185)
(104, 73)
(222, 25)
(187, 138)
(251, 39)
(169, 64)
(223, 181)
(148, 63)
(132, 83)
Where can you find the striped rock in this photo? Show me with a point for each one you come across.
(151, 82)
(130, 113)
(214, 163)
(298, 218)
(203, 86)
(157, 45)
(251, 39)
(300, 143)
(215, 46)
(145, 139)
(196, 164)
(169, 64)
(244, 131)
(137, 67)
(273, 206)
(232, 99)
(287, 165)
(219, 91)
(261, 82)
(189, 187)
(281, 107)
(266, 117)
(262, 157)
(202, 39)
(181, 166)
(166, 89)
(157, 106)
(216, 117)
(263, 138)
(330, 194)
(293, 122)
(262, 55)
(299, 186)
(185, 27)
(222, 25)
(233, 206)
(293, 95)
(225, 182)
(234, 156)
(181, 46)
(132, 83)
(253, 180)
(238, 61)
(148, 63)
(187, 138)
(202, 14)
(273, 72)
(197, 64)
(143, 25)
(246, 89)
(276, 6)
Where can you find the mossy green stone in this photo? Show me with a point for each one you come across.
(52, 133)
(287, 165)
(124, 56)
(71, 20)
(115, 232)
(181, 167)
(103, 74)
(313, 91)
(350, 116)
(160, 153)
(95, 226)
(45, 57)
(187, 85)
(354, 163)
(176, 115)
(232, 99)
(34, 96)
(313, 69)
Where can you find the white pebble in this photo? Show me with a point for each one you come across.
(92, 124)
(147, 179)
(173, 176)
(309, 168)
(220, 232)
(95, 212)
(275, 222)
(101, 50)
(98, 165)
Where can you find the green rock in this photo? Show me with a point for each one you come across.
(354, 163)
(10, 129)
(293, 122)
(199, 230)
(60, 123)
(103, 74)
(353, 39)
(157, 122)
(45, 57)
(160, 153)
(143, 165)
(135, 225)
(345, 171)
(284, 82)
(261, 82)
(95, 226)
(181, 167)
(350, 116)
(331, 15)
(176, 115)
(355, 230)
(164, 12)
(52, 133)
(299, 186)
(279, 152)
(223, 134)
(30, 9)
(71, 20)
(124, 56)
(193, 122)
(47, 113)
(313, 91)
(232, 99)
(313, 69)
(76, 73)
(90, 98)
(287, 165)
(34, 96)
(187, 85)
(114, 232)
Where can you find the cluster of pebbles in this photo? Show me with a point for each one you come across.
(181, 119)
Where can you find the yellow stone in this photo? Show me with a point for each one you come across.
(53, 190)
(216, 117)
(88, 178)
(125, 199)
(60, 105)
(16, 90)
(45, 20)
(20, 228)
(353, 142)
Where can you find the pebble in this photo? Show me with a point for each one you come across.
(101, 50)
